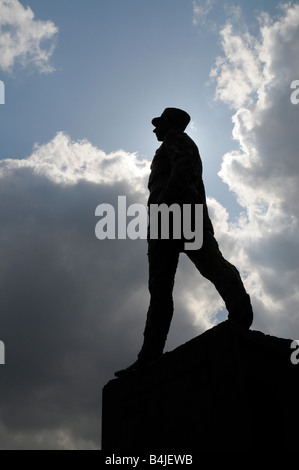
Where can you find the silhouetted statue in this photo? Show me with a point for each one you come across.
(176, 177)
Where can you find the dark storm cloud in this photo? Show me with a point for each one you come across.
(72, 307)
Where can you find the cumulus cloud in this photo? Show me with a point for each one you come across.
(237, 74)
(24, 39)
(201, 10)
(253, 77)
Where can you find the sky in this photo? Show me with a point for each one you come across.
(83, 80)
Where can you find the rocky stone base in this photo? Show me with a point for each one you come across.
(225, 389)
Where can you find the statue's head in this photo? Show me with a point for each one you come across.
(171, 118)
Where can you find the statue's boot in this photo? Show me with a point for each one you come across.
(139, 364)
(151, 351)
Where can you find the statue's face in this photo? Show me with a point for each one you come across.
(161, 130)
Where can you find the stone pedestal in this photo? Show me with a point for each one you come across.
(227, 388)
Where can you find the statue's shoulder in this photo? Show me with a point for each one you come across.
(179, 140)
(176, 138)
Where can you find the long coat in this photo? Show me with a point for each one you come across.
(176, 175)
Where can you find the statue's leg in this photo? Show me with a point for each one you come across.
(163, 256)
(225, 277)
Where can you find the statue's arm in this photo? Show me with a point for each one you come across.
(181, 156)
